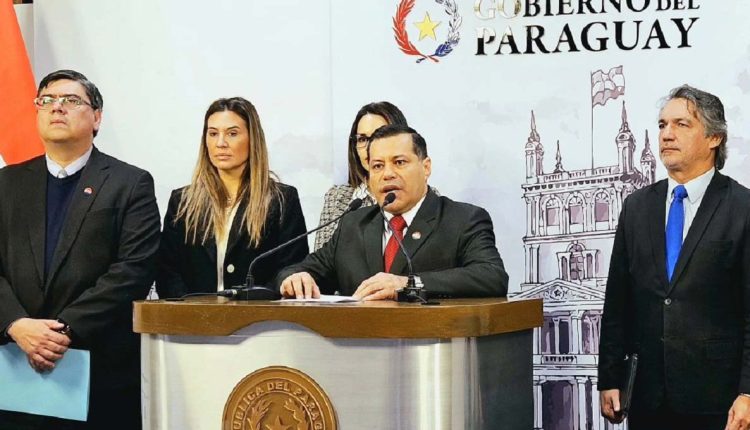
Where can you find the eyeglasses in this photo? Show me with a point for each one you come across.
(360, 140)
(68, 102)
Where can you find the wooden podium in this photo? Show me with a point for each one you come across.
(210, 363)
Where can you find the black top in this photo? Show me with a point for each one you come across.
(191, 268)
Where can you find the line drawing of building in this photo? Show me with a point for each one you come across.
(571, 217)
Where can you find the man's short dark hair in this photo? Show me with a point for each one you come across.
(710, 111)
(418, 143)
(92, 92)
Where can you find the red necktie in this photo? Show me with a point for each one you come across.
(391, 249)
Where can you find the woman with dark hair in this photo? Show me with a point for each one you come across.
(369, 118)
(233, 210)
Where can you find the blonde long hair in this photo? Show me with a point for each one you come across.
(203, 202)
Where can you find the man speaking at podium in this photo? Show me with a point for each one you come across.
(78, 234)
(451, 244)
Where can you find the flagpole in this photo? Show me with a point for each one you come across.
(591, 77)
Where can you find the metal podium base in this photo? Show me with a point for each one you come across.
(378, 384)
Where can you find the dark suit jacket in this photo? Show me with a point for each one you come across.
(692, 334)
(103, 261)
(455, 255)
(191, 268)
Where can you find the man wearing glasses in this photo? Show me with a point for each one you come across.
(78, 234)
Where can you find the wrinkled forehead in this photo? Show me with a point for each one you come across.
(679, 108)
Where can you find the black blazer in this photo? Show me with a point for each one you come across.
(103, 261)
(692, 334)
(455, 253)
(191, 268)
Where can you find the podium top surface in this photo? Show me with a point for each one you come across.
(215, 316)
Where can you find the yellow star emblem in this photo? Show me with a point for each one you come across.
(427, 27)
(277, 425)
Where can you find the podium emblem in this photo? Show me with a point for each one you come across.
(278, 397)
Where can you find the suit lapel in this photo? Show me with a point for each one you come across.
(94, 174)
(235, 231)
(210, 248)
(711, 201)
(35, 184)
(373, 242)
(657, 201)
(417, 233)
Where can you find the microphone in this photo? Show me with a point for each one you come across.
(412, 292)
(250, 291)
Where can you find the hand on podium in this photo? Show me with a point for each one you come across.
(300, 285)
(381, 286)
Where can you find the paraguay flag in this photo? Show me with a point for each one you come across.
(19, 139)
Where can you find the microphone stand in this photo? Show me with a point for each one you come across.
(250, 291)
(412, 292)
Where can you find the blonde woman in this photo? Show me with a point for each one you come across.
(233, 210)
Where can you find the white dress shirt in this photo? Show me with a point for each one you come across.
(696, 189)
(59, 171)
(408, 217)
(221, 246)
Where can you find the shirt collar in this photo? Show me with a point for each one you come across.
(408, 215)
(71, 169)
(695, 187)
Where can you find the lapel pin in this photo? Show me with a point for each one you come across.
(416, 235)
(88, 191)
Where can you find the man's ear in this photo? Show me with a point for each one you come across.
(427, 165)
(97, 119)
(714, 142)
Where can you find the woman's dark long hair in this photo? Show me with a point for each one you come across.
(392, 115)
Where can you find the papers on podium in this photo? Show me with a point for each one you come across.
(323, 299)
(62, 393)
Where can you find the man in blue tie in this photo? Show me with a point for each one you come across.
(678, 292)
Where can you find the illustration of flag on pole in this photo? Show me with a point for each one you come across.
(19, 140)
(606, 86)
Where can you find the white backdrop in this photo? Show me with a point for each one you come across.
(160, 64)
(309, 66)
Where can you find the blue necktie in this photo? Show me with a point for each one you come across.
(675, 226)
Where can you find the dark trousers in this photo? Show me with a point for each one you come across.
(665, 418)
(19, 421)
